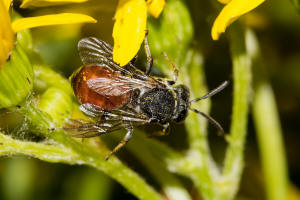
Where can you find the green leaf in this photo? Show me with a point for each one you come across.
(25, 40)
(57, 103)
(16, 79)
(45, 77)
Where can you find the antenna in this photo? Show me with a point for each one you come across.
(210, 119)
(212, 93)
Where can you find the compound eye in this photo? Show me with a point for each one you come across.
(181, 113)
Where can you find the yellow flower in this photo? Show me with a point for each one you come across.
(233, 10)
(8, 29)
(130, 27)
(6, 32)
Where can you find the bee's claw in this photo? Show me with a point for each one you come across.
(107, 157)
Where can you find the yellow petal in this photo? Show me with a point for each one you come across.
(224, 1)
(40, 3)
(6, 34)
(230, 13)
(7, 4)
(155, 7)
(129, 29)
(46, 20)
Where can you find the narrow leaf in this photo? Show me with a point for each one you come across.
(16, 79)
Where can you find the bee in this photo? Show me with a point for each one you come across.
(124, 97)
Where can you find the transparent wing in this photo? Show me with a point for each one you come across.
(92, 50)
(81, 129)
(95, 51)
(117, 85)
(108, 122)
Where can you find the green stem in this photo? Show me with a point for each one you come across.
(233, 164)
(88, 156)
(47, 152)
(142, 148)
(203, 168)
(270, 142)
(268, 129)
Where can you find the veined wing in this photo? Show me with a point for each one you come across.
(92, 50)
(95, 51)
(117, 85)
(82, 129)
(108, 122)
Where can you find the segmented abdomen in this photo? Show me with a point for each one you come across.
(104, 94)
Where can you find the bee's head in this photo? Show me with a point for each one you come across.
(183, 104)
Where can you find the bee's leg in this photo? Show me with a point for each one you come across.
(122, 143)
(165, 131)
(134, 59)
(175, 70)
(148, 54)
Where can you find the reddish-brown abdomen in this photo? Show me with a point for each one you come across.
(86, 95)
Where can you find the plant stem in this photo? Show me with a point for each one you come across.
(142, 148)
(270, 142)
(47, 152)
(268, 129)
(203, 169)
(233, 164)
(88, 156)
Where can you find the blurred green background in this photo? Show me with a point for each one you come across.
(277, 25)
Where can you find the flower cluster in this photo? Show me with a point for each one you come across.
(129, 28)
(131, 17)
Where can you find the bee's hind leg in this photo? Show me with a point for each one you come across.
(122, 143)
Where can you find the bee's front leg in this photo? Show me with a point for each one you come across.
(166, 128)
(175, 70)
(164, 132)
(148, 54)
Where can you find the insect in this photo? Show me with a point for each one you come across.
(124, 97)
